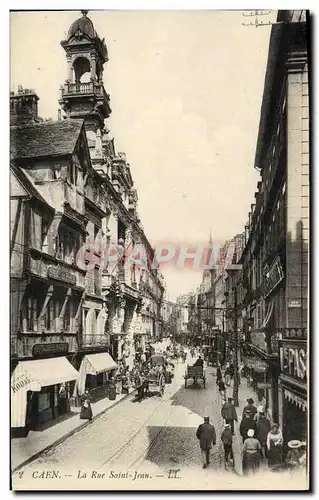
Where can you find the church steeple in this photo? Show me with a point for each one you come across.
(83, 94)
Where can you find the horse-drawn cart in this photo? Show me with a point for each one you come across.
(195, 372)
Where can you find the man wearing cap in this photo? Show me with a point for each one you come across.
(206, 435)
(229, 413)
(227, 439)
(250, 408)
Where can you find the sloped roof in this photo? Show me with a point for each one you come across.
(44, 139)
(27, 184)
(82, 25)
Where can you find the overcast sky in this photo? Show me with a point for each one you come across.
(186, 90)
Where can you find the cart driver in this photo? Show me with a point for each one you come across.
(199, 362)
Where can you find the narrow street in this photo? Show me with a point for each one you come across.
(154, 437)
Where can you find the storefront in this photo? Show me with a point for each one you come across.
(94, 374)
(40, 392)
(293, 389)
(262, 377)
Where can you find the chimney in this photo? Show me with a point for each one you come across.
(23, 107)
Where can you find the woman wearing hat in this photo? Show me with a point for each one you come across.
(274, 447)
(295, 455)
(252, 453)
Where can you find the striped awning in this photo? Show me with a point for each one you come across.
(294, 398)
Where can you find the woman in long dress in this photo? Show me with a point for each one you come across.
(274, 447)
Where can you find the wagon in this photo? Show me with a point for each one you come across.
(195, 372)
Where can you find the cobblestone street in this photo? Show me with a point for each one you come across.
(157, 434)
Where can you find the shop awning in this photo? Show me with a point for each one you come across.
(32, 376)
(294, 398)
(101, 362)
(93, 364)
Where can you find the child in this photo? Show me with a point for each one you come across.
(227, 439)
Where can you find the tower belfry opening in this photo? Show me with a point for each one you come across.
(83, 94)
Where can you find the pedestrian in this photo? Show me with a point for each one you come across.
(86, 411)
(222, 388)
(227, 377)
(251, 453)
(207, 436)
(274, 447)
(218, 374)
(86, 396)
(247, 423)
(250, 407)
(263, 427)
(294, 455)
(229, 413)
(227, 439)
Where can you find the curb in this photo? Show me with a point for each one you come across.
(68, 434)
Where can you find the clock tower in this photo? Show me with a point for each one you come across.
(83, 94)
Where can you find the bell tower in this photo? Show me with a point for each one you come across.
(83, 94)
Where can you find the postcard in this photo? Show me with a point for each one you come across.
(159, 250)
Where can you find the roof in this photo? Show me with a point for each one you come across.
(84, 26)
(27, 184)
(39, 140)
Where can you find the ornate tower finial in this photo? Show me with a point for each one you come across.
(84, 13)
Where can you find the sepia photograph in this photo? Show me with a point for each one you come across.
(159, 250)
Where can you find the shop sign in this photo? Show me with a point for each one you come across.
(48, 349)
(264, 385)
(258, 338)
(294, 303)
(293, 361)
(273, 277)
(61, 274)
(20, 383)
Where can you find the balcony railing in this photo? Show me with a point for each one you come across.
(41, 265)
(82, 88)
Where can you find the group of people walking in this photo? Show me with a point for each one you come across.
(262, 438)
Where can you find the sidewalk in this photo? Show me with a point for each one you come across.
(243, 394)
(24, 450)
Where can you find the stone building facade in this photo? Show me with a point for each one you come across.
(73, 201)
(275, 258)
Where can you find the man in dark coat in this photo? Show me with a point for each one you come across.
(206, 435)
(250, 408)
(229, 414)
(199, 362)
(263, 427)
(247, 423)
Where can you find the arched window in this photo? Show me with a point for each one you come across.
(82, 70)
